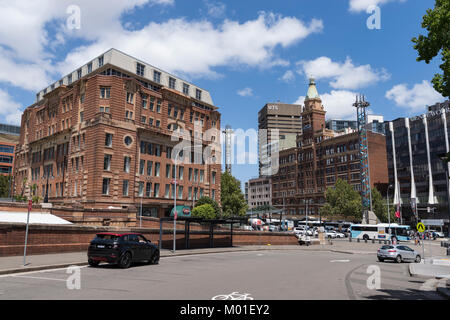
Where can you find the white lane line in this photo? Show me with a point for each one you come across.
(37, 271)
(340, 261)
(39, 278)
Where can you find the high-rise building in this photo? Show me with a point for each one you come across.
(278, 127)
(320, 158)
(416, 172)
(107, 135)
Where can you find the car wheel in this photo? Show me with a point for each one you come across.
(125, 260)
(398, 259)
(93, 263)
(418, 259)
(366, 237)
(155, 258)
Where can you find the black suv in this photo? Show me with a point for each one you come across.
(122, 249)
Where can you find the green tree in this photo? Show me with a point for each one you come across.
(4, 186)
(379, 206)
(437, 23)
(232, 198)
(214, 204)
(342, 200)
(205, 211)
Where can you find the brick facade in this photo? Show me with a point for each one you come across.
(64, 137)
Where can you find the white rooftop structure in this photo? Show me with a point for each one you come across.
(141, 70)
(35, 218)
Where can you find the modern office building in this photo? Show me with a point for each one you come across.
(8, 142)
(278, 127)
(259, 192)
(320, 158)
(416, 172)
(107, 135)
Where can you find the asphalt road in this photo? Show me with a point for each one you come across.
(263, 275)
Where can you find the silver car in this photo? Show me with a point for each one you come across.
(398, 253)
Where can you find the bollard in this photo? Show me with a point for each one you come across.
(373, 240)
(365, 240)
(379, 241)
(448, 251)
(350, 239)
(358, 240)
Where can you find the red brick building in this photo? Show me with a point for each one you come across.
(102, 137)
(321, 157)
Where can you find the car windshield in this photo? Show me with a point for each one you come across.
(107, 236)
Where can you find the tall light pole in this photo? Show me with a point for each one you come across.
(175, 209)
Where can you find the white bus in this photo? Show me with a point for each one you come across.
(380, 231)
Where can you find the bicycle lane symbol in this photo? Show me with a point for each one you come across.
(233, 296)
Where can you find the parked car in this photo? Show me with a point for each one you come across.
(398, 253)
(338, 234)
(274, 228)
(122, 249)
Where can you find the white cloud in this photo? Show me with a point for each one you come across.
(246, 92)
(415, 99)
(288, 76)
(362, 5)
(9, 109)
(338, 104)
(343, 75)
(197, 47)
(215, 9)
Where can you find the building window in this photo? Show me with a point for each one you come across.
(105, 92)
(185, 88)
(140, 69)
(144, 119)
(167, 193)
(89, 66)
(105, 187)
(198, 94)
(213, 178)
(128, 141)
(104, 109)
(69, 79)
(141, 189)
(157, 167)
(149, 167)
(156, 190)
(79, 73)
(125, 188)
(158, 123)
(157, 76)
(144, 101)
(100, 61)
(158, 106)
(107, 162)
(141, 166)
(129, 115)
(108, 140)
(126, 164)
(172, 82)
(130, 97)
(148, 189)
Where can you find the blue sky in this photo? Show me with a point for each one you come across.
(246, 53)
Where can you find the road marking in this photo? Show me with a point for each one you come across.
(340, 261)
(40, 278)
(37, 271)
